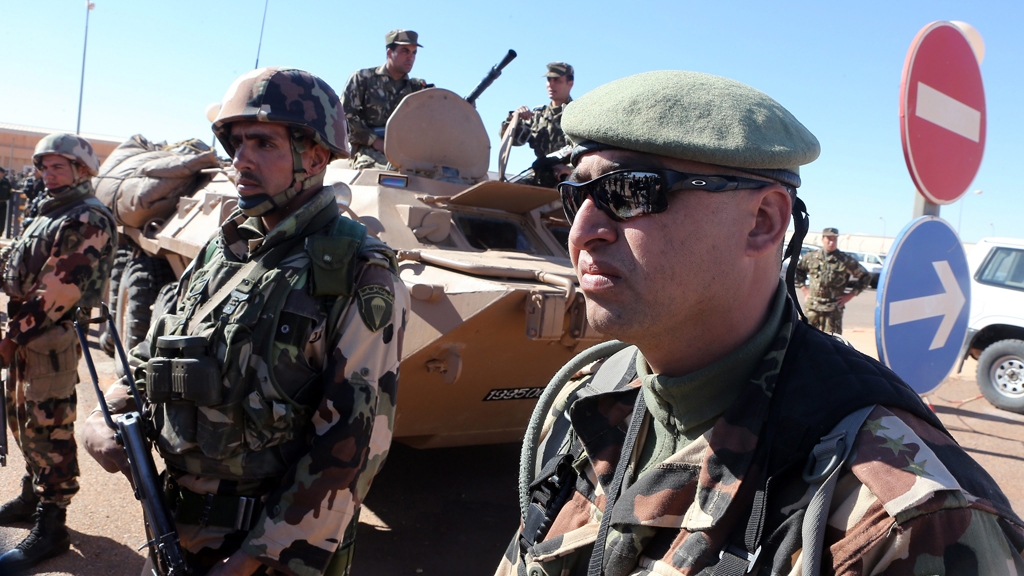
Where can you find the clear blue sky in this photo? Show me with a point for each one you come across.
(153, 68)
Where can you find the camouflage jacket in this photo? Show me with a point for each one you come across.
(829, 273)
(347, 374)
(370, 97)
(909, 502)
(543, 132)
(61, 261)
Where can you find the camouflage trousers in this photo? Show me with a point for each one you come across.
(206, 546)
(830, 322)
(368, 158)
(42, 421)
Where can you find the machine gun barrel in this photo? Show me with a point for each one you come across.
(132, 432)
(490, 78)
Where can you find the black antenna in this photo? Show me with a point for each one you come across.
(262, 25)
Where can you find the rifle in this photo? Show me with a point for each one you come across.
(133, 432)
(3, 417)
(490, 78)
(560, 156)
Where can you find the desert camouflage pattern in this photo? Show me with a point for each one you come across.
(61, 261)
(287, 96)
(70, 146)
(370, 97)
(543, 132)
(897, 509)
(324, 401)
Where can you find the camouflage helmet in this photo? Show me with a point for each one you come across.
(287, 96)
(70, 146)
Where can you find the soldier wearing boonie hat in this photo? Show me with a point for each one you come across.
(372, 94)
(541, 129)
(694, 443)
(835, 278)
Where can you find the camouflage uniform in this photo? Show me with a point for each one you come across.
(60, 262)
(370, 97)
(543, 132)
(910, 501)
(308, 424)
(5, 197)
(829, 273)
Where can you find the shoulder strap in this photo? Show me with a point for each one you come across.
(823, 469)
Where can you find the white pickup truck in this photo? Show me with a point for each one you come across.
(995, 332)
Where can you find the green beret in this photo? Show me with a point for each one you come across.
(692, 116)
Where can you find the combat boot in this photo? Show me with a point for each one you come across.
(47, 539)
(21, 508)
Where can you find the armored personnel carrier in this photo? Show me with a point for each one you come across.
(495, 310)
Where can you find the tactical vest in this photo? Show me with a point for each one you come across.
(821, 381)
(220, 410)
(40, 236)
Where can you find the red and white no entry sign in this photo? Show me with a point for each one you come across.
(942, 113)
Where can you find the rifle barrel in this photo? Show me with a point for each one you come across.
(490, 78)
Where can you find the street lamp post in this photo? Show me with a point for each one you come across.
(81, 85)
(881, 247)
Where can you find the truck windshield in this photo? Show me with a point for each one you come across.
(1004, 267)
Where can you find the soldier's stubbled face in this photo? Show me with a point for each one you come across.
(263, 157)
(56, 171)
(558, 89)
(829, 243)
(401, 58)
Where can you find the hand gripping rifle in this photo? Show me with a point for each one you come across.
(490, 78)
(133, 432)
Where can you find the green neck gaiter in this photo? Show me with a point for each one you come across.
(685, 407)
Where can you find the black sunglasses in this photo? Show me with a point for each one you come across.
(625, 194)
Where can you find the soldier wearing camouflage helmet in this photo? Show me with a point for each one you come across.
(372, 94)
(722, 435)
(297, 314)
(541, 127)
(830, 271)
(58, 263)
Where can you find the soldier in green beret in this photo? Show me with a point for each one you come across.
(721, 434)
(372, 94)
(830, 271)
(541, 127)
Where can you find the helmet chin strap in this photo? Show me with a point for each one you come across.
(261, 204)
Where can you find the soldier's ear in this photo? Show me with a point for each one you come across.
(773, 206)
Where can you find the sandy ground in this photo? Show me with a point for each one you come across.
(454, 510)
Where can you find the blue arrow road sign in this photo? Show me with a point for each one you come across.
(924, 301)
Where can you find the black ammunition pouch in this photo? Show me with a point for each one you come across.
(183, 370)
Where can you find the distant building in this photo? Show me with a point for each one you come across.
(18, 142)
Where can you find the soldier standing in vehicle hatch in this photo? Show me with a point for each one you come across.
(541, 127)
(830, 271)
(372, 94)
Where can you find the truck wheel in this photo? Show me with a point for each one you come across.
(166, 299)
(121, 258)
(1001, 375)
(140, 285)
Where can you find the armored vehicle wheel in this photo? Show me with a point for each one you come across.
(165, 300)
(140, 285)
(121, 258)
(1001, 375)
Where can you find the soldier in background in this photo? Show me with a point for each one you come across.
(541, 127)
(5, 198)
(298, 315)
(830, 271)
(60, 262)
(372, 94)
